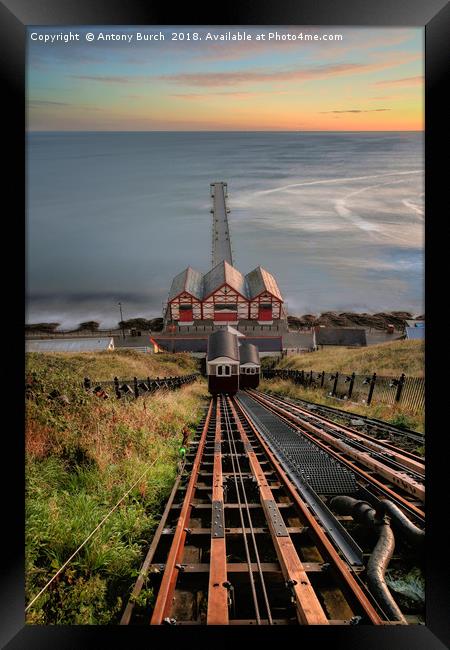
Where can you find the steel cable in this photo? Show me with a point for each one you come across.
(263, 585)
(90, 535)
(247, 552)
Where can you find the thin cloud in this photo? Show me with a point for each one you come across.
(211, 79)
(359, 110)
(405, 81)
(380, 98)
(44, 102)
(111, 79)
(230, 93)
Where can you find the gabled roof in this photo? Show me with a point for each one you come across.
(188, 280)
(260, 280)
(222, 344)
(340, 336)
(223, 273)
(249, 353)
(201, 286)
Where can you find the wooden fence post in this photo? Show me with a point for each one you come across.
(400, 384)
(117, 387)
(350, 388)
(336, 377)
(371, 388)
(323, 379)
(136, 388)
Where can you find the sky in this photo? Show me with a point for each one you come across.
(371, 80)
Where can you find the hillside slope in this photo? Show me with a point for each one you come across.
(384, 359)
(124, 364)
(82, 456)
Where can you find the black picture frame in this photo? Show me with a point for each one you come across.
(15, 16)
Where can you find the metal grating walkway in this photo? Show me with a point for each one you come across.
(312, 465)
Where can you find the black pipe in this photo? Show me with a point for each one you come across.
(414, 535)
(400, 522)
(376, 568)
(381, 554)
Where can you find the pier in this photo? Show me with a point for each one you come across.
(221, 243)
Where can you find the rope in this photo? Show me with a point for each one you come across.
(90, 535)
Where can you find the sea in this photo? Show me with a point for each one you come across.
(336, 217)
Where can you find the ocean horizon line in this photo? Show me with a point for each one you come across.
(227, 131)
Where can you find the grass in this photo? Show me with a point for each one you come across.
(81, 457)
(398, 415)
(124, 364)
(384, 359)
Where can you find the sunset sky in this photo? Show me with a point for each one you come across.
(371, 80)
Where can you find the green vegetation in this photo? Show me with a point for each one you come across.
(398, 415)
(389, 359)
(82, 456)
(90, 325)
(99, 366)
(384, 359)
(41, 327)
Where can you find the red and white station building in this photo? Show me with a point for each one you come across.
(223, 294)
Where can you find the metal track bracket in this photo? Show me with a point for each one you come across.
(217, 520)
(275, 519)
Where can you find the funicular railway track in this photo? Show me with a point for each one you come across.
(395, 456)
(240, 543)
(385, 471)
(404, 439)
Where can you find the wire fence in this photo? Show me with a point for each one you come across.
(137, 387)
(408, 391)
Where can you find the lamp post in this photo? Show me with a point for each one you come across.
(121, 319)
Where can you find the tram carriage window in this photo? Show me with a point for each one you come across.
(223, 370)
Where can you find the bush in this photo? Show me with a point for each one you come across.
(89, 325)
(41, 327)
(81, 458)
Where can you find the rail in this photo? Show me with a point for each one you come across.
(388, 452)
(402, 485)
(402, 437)
(240, 543)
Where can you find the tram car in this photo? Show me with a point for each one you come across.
(250, 366)
(222, 363)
